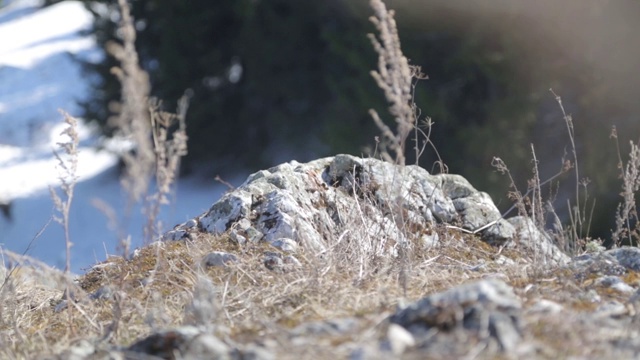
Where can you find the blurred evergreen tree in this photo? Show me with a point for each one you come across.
(266, 77)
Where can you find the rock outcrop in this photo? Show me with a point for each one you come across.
(379, 205)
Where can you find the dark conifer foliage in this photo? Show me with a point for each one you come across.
(265, 76)
(281, 79)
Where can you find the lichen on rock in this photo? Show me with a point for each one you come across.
(377, 204)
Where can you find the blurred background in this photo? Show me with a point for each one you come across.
(278, 80)
(286, 79)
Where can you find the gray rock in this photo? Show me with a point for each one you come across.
(629, 257)
(174, 235)
(536, 244)
(239, 239)
(285, 244)
(615, 283)
(181, 231)
(274, 262)
(488, 309)
(219, 259)
(62, 305)
(316, 203)
(606, 263)
(252, 352)
(186, 342)
(546, 306)
(429, 240)
(224, 213)
(191, 224)
(253, 234)
(103, 293)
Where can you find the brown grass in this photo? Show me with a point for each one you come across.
(166, 285)
(627, 220)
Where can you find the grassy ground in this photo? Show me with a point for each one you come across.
(166, 285)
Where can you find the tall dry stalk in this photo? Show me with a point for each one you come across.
(580, 223)
(67, 168)
(158, 149)
(627, 211)
(169, 147)
(569, 238)
(396, 79)
(133, 121)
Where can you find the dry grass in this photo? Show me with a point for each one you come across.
(160, 137)
(169, 146)
(133, 119)
(574, 237)
(627, 224)
(166, 285)
(397, 79)
(67, 167)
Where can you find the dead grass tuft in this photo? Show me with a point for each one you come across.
(627, 224)
(397, 79)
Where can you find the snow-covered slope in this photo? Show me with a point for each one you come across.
(37, 73)
(39, 76)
